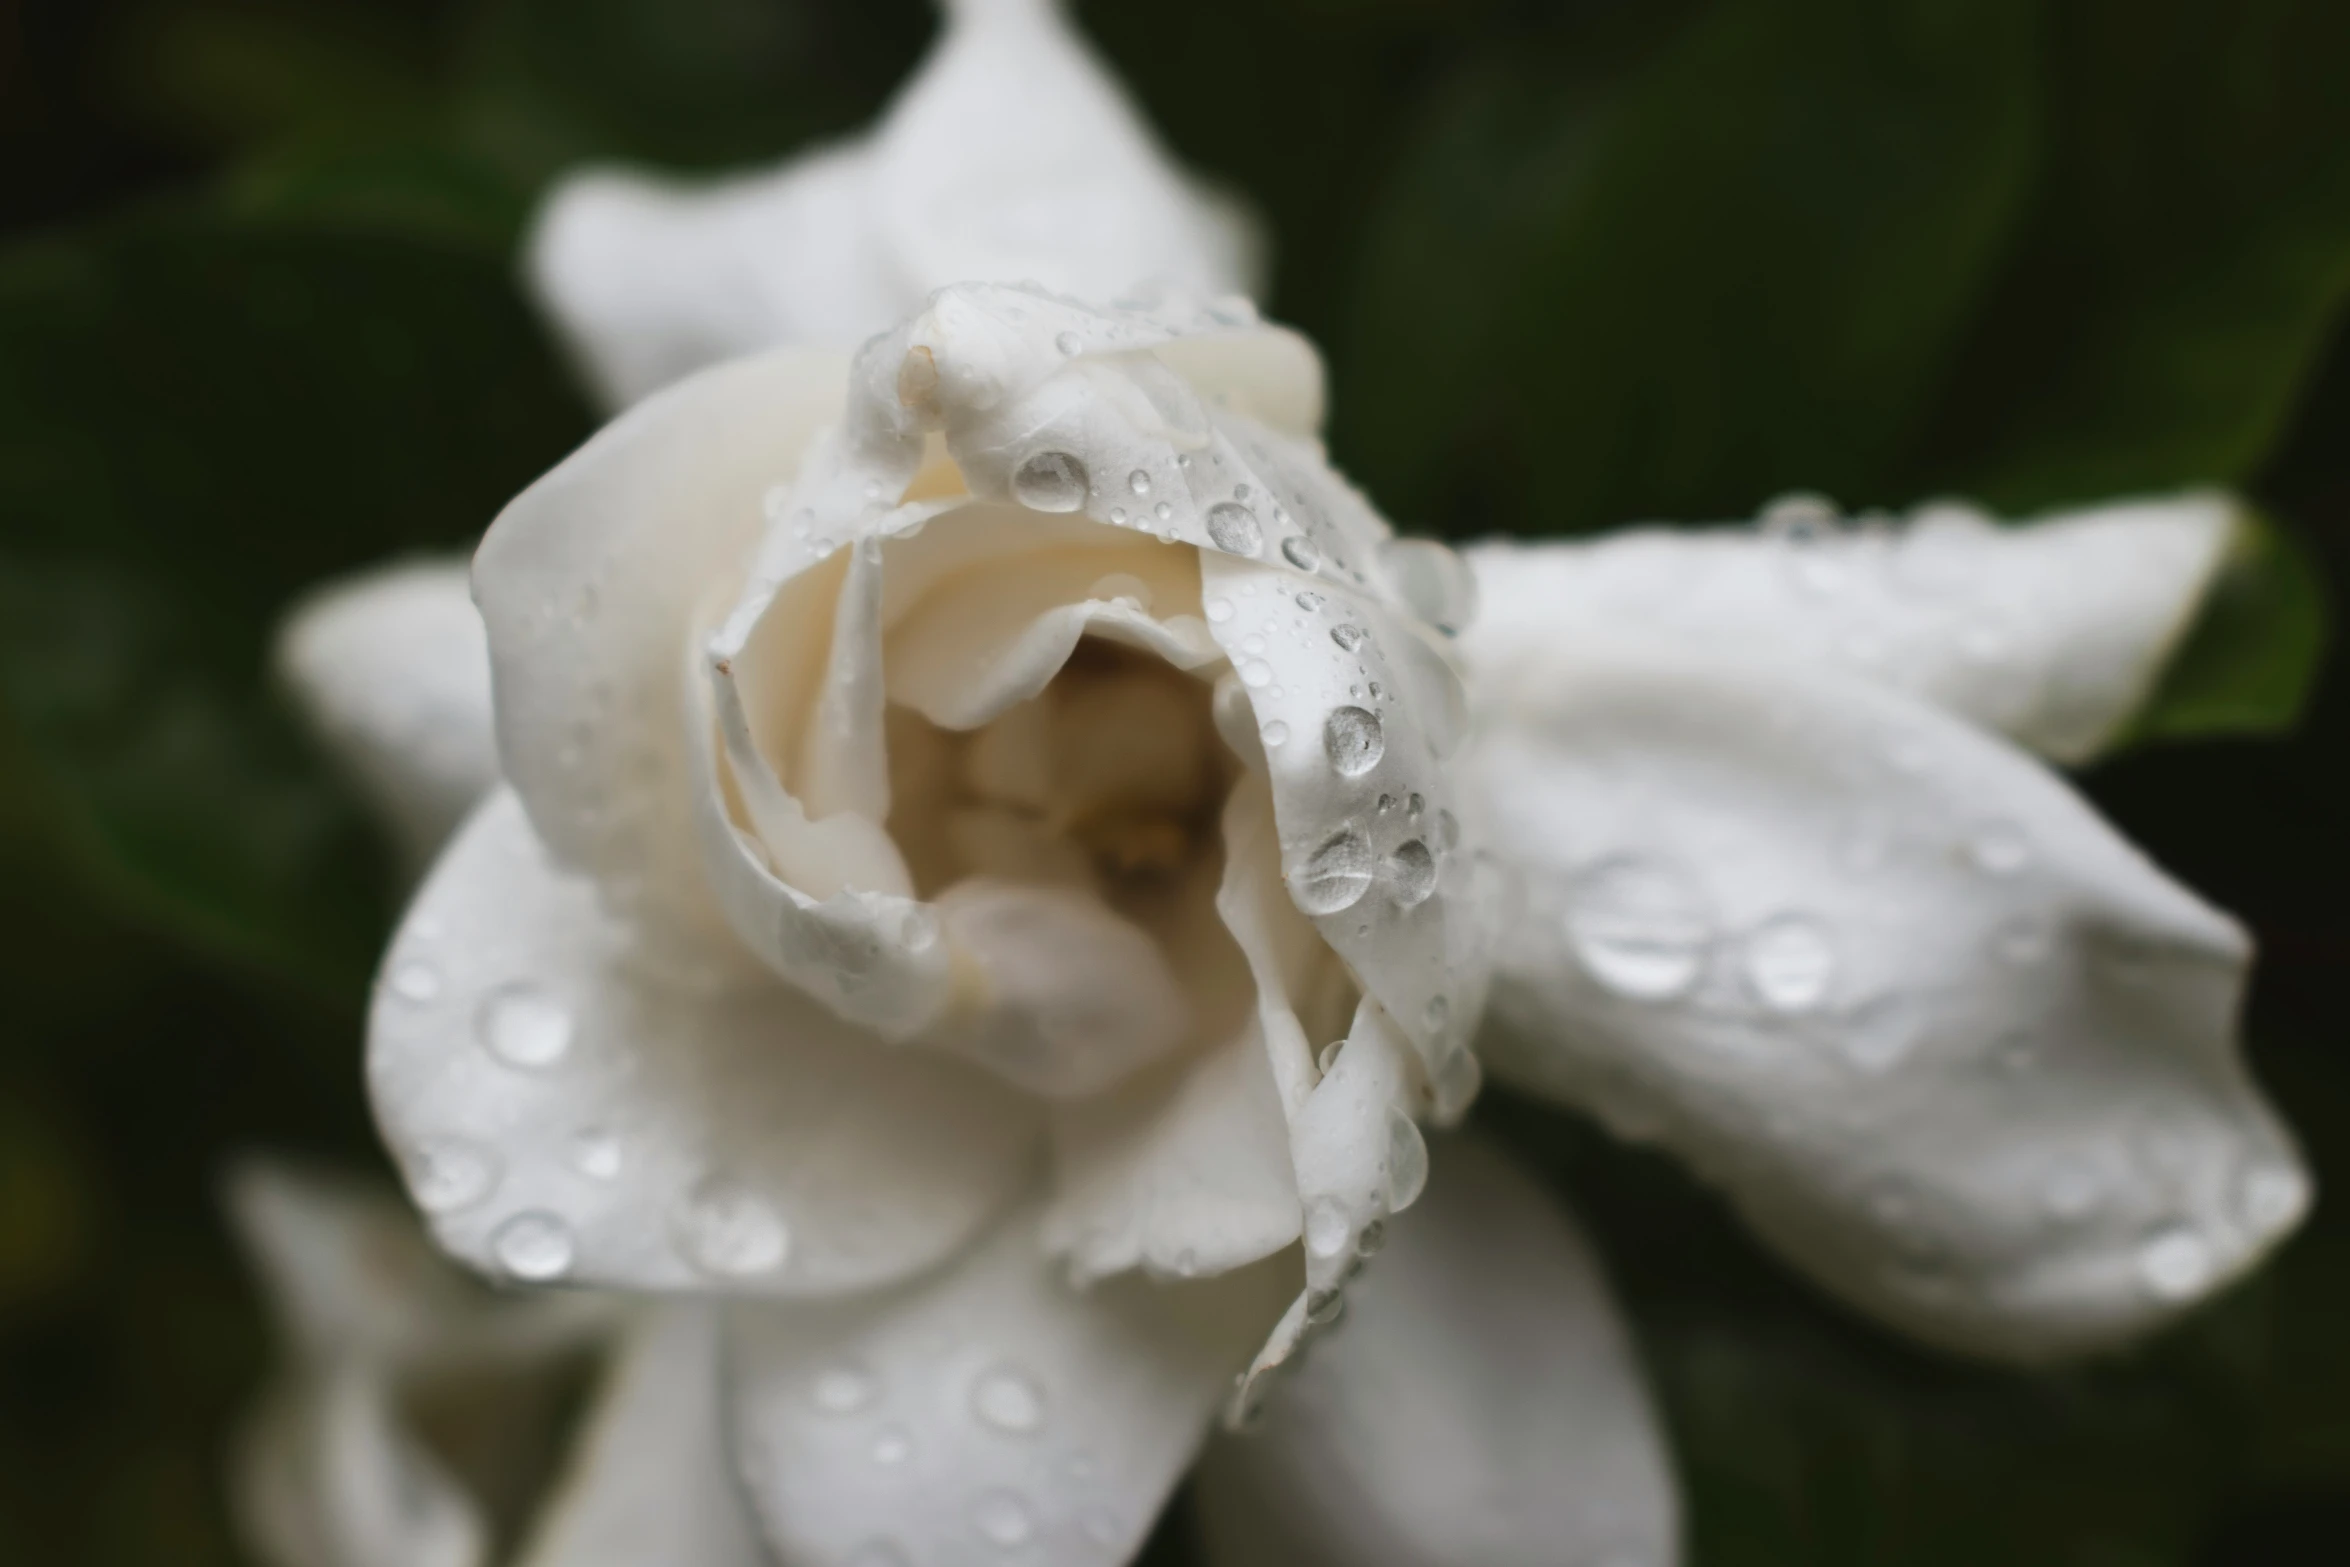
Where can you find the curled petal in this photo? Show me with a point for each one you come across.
(991, 1409)
(1949, 1043)
(1011, 154)
(1479, 1407)
(652, 1479)
(393, 671)
(563, 1111)
(2052, 633)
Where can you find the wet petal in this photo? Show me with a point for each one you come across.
(2052, 633)
(589, 584)
(1948, 1042)
(1011, 154)
(988, 1409)
(392, 670)
(653, 1480)
(1479, 1407)
(563, 1112)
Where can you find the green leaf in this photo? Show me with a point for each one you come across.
(1740, 268)
(2188, 249)
(200, 417)
(2249, 662)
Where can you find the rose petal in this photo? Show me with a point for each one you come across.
(563, 1111)
(1011, 154)
(589, 583)
(990, 1409)
(392, 669)
(652, 1479)
(1954, 1047)
(2052, 633)
(1479, 1407)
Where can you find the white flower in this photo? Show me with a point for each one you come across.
(1010, 155)
(806, 922)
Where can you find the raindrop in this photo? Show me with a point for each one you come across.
(1164, 512)
(1999, 849)
(596, 1154)
(1234, 528)
(1309, 601)
(1407, 1161)
(1219, 610)
(1436, 1014)
(1256, 672)
(523, 1026)
(1337, 874)
(1639, 926)
(450, 1173)
(1412, 869)
(1241, 492)
(1008, 1399)
(1070, 344)
(2072, 1190)
(1349, 637)
(1050, 481)
(1276, 733)
(415, 982)
(1325, 1228)
(1139, 482)
(892, 1445)
(1301, 552)
(535, 1246)
(1455, 1084)
(1373, 1238)
(1003, 1520)
(1791, 963)
(843, 1389)
(1118, 515)
(1355, 741)
(2175, 1263)
(1434, 582)
(728, 1231)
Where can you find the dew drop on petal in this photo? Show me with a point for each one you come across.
(1999, 849)
(597, 1154)
(415, 981)
(1139, 482)
(1256, 673)
(450, 1174)
(1326, 1230)
(1219, 610)
(1411, 870)
(1328, 1059)
(1070, 344)
(1164, 512)
(843, 1389)
(1275, 734)
(1355, 740)
(1234, 529)
(1008, 1399)
(1337, 874)
(1050, 481)
(1003, 1520)
(1407, 1161)
(1456, 1083)
(2274, 1197)
(523, 1026)
(1639, 926)
(730, 1232)
(1791, 963)
(2175, 1263)
(1301, 552)
(535, 1246)
(1349, 637)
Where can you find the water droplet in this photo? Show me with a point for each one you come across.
(1791, 963)
(1234, 528)
(893, 1445)
(1310, 601)
(1139, 482)
(1448, 831)
(596, 1154)
(1219, 610)
(1276, 733)
(1328, 1059)
(1434, 582)
(1301, 552)
(1070, 344)
(1337, 874)
(1455, 1084)
(535, 1246)
(1639, 926)
(843, 1389)
(2072, 1190)
(1411, 869)
(1008, 1400)
(1164, 512)
(1354, 740)
(415, 981)
(1118, 515)
(1256, 672)
(1372, 1240)
(450, 1173)
(1326, 1228)
(2274, 1198)
(1050, 481)
(1349, 638)
(1407, 1161)
(728, 1231)
(2175, 1263)
(523, 1026)
(1999, 849)
(1003, 1520)
(1799, 517)
(1436, 1014)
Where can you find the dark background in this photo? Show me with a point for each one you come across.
(1574, 264)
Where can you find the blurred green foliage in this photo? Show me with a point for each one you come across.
(1575, 264)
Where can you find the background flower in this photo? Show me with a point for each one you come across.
(1666, 265)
